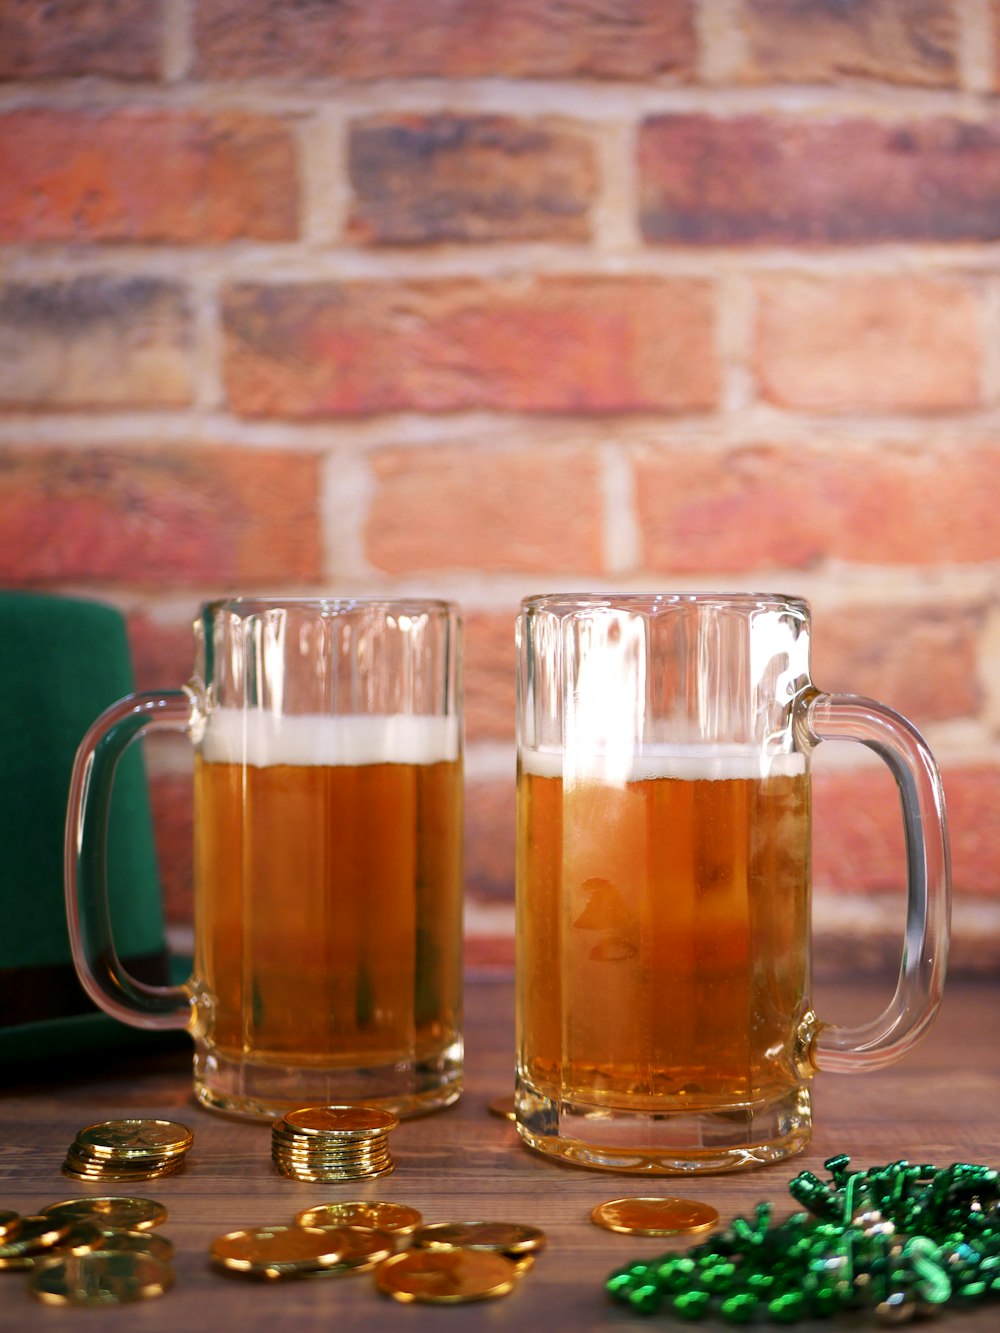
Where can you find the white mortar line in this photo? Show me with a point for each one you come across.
(177, 53)
(976, 46)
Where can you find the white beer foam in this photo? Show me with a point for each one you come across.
(705, 763)
(264, 739)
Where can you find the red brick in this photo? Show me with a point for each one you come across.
(874, 343)
(461, 507)
(374, 39)
(61, 39)
(489, 838)
(557, 344)
(489, 953)
(858, 831)
(784, 179)
(206, 516)
(790, 506)
(857, 840)
(824, 41)
(171, 798)
(95, 342)
(972, 795)
(489, 675)
(921, 660)
(145, 175)
(425, 179)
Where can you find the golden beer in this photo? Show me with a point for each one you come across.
(328, 908)
(663, 922)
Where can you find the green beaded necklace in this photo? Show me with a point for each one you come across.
(896, 1240)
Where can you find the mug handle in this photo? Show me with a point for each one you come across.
(88, 916)
(823, 717)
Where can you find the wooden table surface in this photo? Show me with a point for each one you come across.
(941, 1104)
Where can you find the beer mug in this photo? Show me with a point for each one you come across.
(327, 856)
(664, 1021)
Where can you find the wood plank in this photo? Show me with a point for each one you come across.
(940, 1104)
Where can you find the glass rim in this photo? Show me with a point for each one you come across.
(250, 604)
(656, 602)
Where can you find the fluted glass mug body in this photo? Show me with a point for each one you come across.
(327, 855)
(664, 1013)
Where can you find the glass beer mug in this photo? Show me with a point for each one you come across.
(327, 859)
(664, 1021)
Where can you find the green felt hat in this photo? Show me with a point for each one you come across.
(62, 662)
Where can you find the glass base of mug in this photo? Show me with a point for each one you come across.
(263, 1091)
(677, 1143)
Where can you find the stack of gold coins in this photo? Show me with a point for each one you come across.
(128, 1150)
(333, 1143)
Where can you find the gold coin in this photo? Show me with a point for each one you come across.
(82, 1236)
(446, 1276)
(503, 1237)
(38, 1234)
(329, 1142)
(503, 1107)
(279, 1249)
(655, 1216)
(318, 1151)
(79, 1164)
(324, 1175)
(111, 1211)
(352, 1121)
(81, 1153)
(138, 1242)
(10, 1224)
(318, 1157)
(101, 1277)
(364, 1248)
(139, 1138)
(380, 1214)
(84, 1168)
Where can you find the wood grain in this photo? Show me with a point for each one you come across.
(940, 1104)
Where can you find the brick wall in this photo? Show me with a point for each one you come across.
(480, 299)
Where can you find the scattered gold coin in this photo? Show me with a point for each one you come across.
(279, 1251)
(138, 1242)
(364, 1248)
(10, 1224)
(37, 1235)
(503, 1107)
(446, 1276)
(383, 1215)
(99, 1277)
(655, 1216)
(503, 1237)
(119, 1211)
